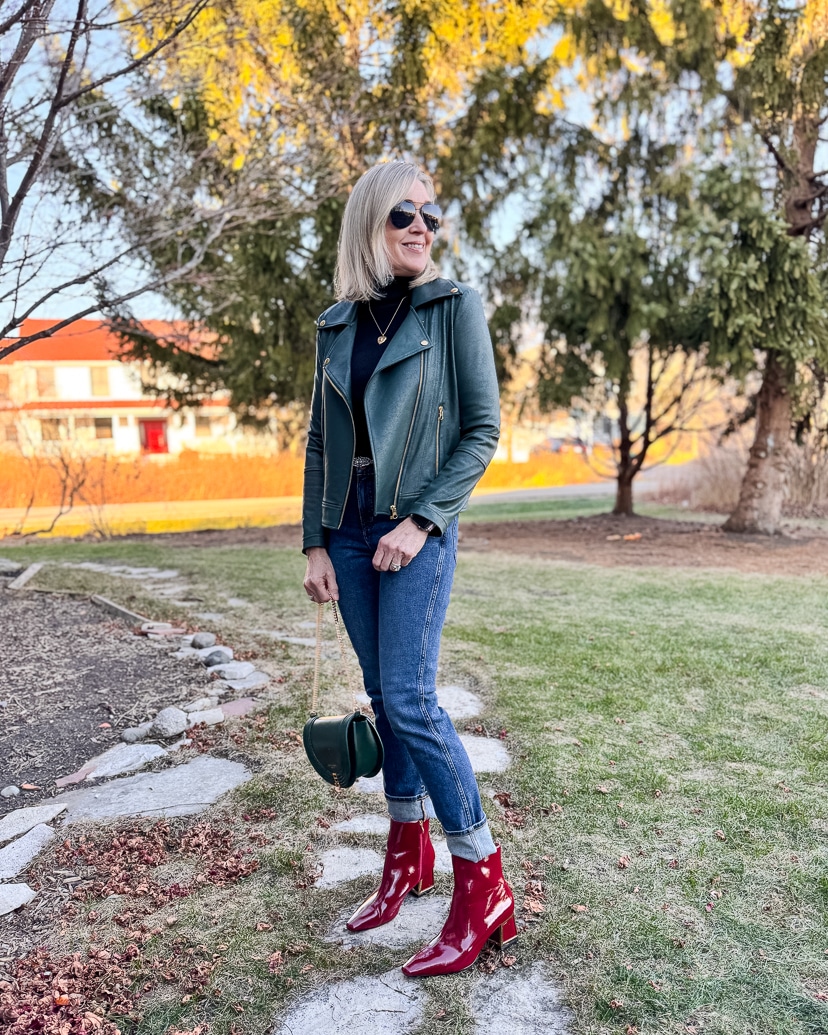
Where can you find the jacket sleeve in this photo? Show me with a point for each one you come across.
(479, 411)
(313, 533)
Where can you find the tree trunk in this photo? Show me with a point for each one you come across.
(626, 466)
(763, 487)
(624, 496)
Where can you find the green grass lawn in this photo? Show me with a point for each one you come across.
(559, 509)
(667, 800)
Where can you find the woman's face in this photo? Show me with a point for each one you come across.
(409, 249)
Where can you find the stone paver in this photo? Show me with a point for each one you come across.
(123, 758)
(233, 669)
(417, 922)
(459, 703)
(210, 717)
(521, 1001)
(181, 791)
(255, 681)
(17, 855)
(201, 705)
(8, 567)
(386, 1004)
(202, 640)
(22, 820)
(370, 784)
(13, 896)
(241, 706)
(486, 755)
(340, 865)
(368, 823)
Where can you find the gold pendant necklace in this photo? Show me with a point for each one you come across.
(383, 334)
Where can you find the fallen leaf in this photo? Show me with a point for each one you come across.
(633, 537)
(623, 862)
(719, 835)
(579, 909)
(29, 787)
(613, 538)
(602, 790)
(104, 725)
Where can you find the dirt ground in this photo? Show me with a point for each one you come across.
(72, 679)
(801, 550)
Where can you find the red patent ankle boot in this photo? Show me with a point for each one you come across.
(482, 907)
(409, 866)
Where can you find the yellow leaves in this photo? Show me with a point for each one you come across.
(812, 31)
(565, 51)
(633, 63)
(620, 9)
(662, 22)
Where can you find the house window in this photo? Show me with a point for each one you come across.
(53, 429)
(123, 422)
(103, 427)
(203, 427)
(100, 381)
(46, 382)
(10, 432)
(84, 427)
(153, 436)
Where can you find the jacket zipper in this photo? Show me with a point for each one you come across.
(439, 422)
(394, 515)
(353, 429)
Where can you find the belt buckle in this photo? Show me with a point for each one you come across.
(362, 461)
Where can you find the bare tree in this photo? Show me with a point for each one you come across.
(78, 220)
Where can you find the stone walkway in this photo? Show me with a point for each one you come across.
(523, 999)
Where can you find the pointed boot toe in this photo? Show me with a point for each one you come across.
(482, 907)
(409, 867)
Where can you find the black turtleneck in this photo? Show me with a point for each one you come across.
(389, 312)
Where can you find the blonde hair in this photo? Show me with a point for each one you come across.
(363, 266)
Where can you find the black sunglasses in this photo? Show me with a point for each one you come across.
(402, 215)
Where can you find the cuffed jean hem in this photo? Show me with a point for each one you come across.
(475, 844)
(410, 810)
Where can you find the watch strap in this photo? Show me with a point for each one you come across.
(422, 523)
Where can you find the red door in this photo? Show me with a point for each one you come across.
(153, 436)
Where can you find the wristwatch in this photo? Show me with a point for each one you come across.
(423, 524)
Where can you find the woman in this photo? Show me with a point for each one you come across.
(404, 421)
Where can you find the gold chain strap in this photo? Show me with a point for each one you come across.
(318, 657)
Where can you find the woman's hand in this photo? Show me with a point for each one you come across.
(320, 579)
(399, 547)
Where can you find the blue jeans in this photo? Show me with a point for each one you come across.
(395, 620)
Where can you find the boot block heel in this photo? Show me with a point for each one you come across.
(507, 932)
(423, 888)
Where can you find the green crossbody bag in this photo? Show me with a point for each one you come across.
(341, 748)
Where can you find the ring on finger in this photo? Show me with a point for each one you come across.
(394, 566)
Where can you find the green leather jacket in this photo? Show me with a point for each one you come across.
(432, 408)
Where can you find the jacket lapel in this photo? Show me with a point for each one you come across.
(338, 353)
(410, 339)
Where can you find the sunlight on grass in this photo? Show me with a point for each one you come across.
(667, 797)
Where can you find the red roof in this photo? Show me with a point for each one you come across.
(83, 341)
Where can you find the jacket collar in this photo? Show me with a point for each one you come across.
(342, 313)
(409, 340)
